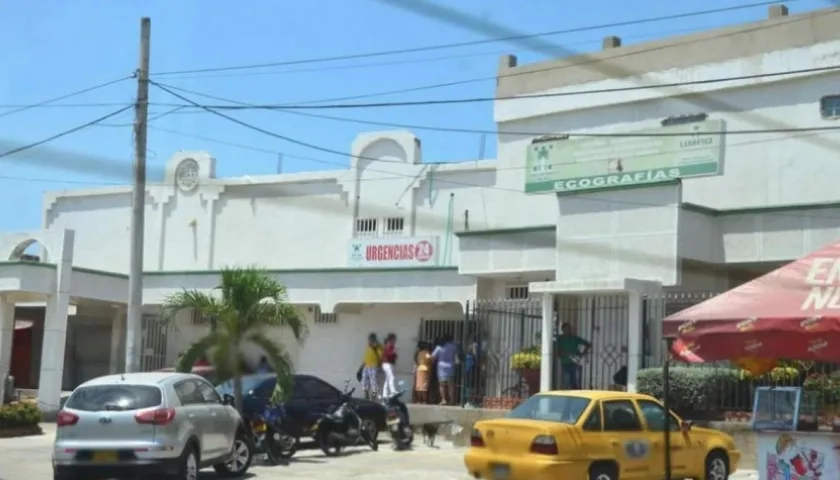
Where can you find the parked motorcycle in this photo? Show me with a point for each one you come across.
(343, 427)
(399, 425)
(271, 438)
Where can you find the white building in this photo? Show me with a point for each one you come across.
(697, 211)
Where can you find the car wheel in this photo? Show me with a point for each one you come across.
(717, 466)
(187, 465)
(240, 459)
(603, 472)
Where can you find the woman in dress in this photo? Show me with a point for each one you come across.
(423, 363)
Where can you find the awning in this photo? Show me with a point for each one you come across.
(792, 312)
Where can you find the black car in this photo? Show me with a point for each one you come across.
(311, 398)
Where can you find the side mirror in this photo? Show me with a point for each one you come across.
(228, 399)
(686, 425)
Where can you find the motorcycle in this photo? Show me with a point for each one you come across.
(342, 427)
(402, 435)
(270, 438)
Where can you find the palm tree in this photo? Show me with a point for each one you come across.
(247, 301)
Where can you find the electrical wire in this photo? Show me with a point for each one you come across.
(63, 134)
(213, 108)
(574, 62)
(22, 108)
(396, 175)
(452, 101)
(508, 38)
(416, 61)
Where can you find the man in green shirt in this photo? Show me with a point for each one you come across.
(570, 347)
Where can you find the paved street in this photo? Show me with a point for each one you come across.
(28, 458)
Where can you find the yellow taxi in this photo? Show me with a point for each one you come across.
(595, 435)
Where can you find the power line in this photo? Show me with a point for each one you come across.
(246, 106)
(508, 38)
(586, 61)
(213, 108)
(22, 108)
(415, 61)
(63, 134)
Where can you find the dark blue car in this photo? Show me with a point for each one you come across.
(311, 397)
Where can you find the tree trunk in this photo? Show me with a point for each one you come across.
(236, 370)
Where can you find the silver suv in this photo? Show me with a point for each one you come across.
(149, 425)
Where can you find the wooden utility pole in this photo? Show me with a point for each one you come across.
(138, 205)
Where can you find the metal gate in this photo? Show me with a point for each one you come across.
(153, 344)
(492, 331)
(602, 321)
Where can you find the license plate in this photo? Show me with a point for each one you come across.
(393, 421)
(104, 457)
(500, 472)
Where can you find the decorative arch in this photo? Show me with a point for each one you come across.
(382, 148)
(19, 251)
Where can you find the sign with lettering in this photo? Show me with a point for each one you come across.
(824, 279)
(392, 252)
(599, 163)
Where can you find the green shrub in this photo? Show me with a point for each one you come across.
(697, 389)
(779, 375)
(19, 414)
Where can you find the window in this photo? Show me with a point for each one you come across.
(366, 227)
(188, 394)
(621, 416)
(551, 408)
(207, 393)
(593, 423)
(654, 415)
(830, 106)
(516, 292)
(326, 317)
(316, 389)
(114, 397)
(394, 226)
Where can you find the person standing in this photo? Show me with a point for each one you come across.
(570, 347)
(389, 359)
(371, 363)
(423, 365)
(446, 355)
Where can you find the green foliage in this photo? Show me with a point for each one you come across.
(826, 388)
(247, 301)
(526, 358)
(692, 389)
(19, 414)
(779, 375)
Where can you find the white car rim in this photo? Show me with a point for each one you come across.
(603, 476)
(717, 469)
(191, 467)
(240, 456)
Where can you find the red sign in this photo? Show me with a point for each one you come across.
(422, 251)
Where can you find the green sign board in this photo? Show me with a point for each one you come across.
(599, 163)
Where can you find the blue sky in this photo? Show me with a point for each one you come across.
(52, 48)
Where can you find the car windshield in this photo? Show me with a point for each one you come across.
(249, 383)
(551, 408)
(97, 398)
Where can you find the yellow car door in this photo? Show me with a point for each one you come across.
(628, 439)
(653, 414)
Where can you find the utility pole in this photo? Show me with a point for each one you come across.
(138, 204)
